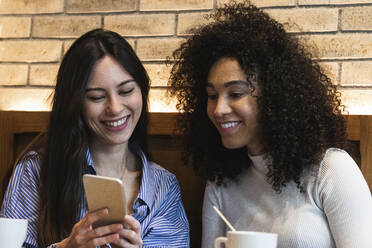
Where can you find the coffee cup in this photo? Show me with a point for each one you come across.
(12, 232)
(246, 239)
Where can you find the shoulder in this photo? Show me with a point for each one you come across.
(229, 185)
(22, 190)
(26, 173)
(338, 170)
(29, 164)
(336, 154)
(336, 161)
(152, 170)
(160, 173)
(211, 186)
(161, 180)
(213, 191)
(159, 185)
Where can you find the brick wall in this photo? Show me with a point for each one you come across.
(35, 34)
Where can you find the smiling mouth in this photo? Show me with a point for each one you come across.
(116, 123)
(227, 125)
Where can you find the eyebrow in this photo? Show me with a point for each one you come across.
(118, 86)
(231, 83)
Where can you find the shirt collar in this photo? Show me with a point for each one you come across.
(89, 159)
(148, 182)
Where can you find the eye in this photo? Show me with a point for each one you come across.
(211, 93)
(126, 92)
(95, 98)
(212, 96)
(236, 95)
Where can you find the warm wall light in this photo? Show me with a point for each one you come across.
(160, 102)
(38, 100)
(357, 102)
(28, 106)
(25, 99)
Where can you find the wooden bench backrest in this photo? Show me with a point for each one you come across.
(18, 128)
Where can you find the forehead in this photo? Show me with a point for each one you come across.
(225, 70)
(106, 71)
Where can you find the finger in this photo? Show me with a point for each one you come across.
(125, 243)
(81, 227)
(100, 237)
(121, 243)
(132, 223)
(112, 238)
(103, 231)
(130, 236)
(92, 217)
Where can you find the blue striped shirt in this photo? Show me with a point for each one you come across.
(158, 206)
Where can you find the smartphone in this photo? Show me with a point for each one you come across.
(105, 192)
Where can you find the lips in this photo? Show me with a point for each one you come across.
(117, 124)
(227, 125)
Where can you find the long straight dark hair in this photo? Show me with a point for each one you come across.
(64, 156)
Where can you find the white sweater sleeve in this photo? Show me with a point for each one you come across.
(213, 226)
(346, 200)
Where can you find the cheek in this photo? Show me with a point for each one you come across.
(210, 110)
(247, 108)
(85, 112)
(89, 111)
(87, 116)
(136, 103)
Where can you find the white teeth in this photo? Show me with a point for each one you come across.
(116, 123)
(229, 124)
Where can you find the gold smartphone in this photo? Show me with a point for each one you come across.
(105, 192)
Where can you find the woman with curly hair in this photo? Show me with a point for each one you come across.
(263, 123)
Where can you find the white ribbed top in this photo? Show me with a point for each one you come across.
(334, 211)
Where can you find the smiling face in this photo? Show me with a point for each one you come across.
(232, 106)
(112, 103)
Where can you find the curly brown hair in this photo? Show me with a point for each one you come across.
(300, 111)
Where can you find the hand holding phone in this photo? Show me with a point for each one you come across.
(105, 192)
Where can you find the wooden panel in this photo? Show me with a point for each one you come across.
(366, 148)
(353, 127)
(162, 123)
(166, 151)
(23, 121)
(159, 123)
(6, 148)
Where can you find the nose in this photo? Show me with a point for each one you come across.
(114, 106)
(222, 107)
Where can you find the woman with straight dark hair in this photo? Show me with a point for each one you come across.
(263, 123)
(98, 125)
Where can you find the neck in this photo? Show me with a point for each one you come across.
(113, 160)
(118, 161)
(255, 149)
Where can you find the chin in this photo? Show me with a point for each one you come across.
(116, 141)
(232, 145)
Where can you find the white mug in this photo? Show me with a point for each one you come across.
(245, 239)
(12, 232)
